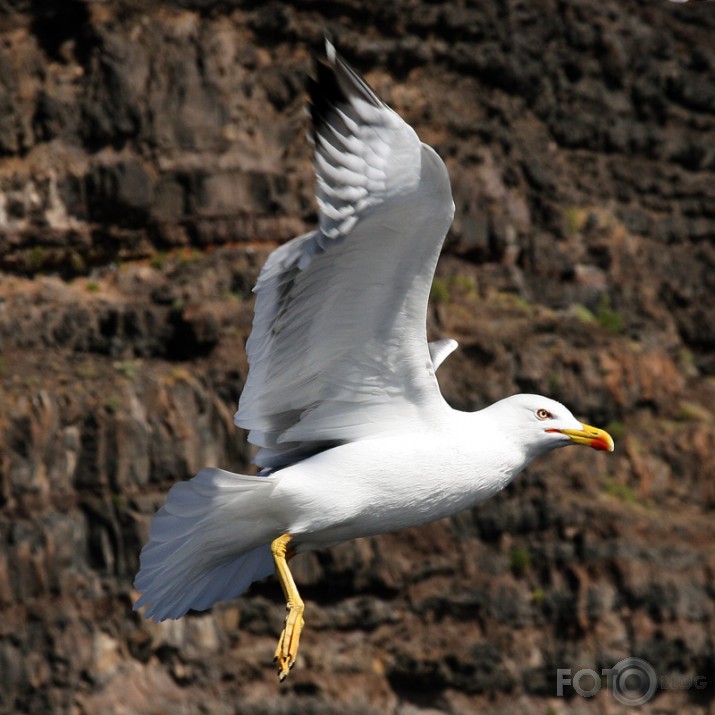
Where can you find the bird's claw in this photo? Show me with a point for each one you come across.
(287, 649)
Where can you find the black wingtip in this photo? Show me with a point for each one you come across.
(324, 89)
(334, 81)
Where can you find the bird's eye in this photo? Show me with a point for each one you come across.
(543, 414)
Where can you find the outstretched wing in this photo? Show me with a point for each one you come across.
(338, 350)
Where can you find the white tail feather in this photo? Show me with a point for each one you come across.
(208, 543)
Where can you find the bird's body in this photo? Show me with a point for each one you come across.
(362, 488)
(341, 397)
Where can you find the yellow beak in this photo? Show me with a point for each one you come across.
(590, 436)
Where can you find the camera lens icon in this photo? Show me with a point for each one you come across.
(632, 681)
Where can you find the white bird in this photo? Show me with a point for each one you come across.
(355, 437)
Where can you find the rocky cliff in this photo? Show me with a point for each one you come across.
(151, 156)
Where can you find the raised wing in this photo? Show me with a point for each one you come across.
(338, 350)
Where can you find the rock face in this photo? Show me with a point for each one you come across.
(151, 155)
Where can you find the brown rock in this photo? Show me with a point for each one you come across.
(136, 139)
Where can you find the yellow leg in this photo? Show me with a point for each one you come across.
(287, 649)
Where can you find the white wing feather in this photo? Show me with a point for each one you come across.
(439, 350)
(338, 350)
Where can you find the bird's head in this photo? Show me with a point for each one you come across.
(542, 424)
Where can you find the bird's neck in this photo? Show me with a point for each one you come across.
(493, 455)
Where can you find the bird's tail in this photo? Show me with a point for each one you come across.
(208, 543)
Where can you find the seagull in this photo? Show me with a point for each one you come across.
(341, 397)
